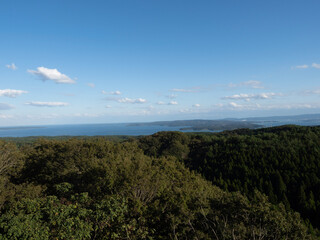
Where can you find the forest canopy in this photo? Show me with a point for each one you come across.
(241, 184)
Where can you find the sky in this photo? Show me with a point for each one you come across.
(109, 61)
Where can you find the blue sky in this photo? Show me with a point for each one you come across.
(104, 61)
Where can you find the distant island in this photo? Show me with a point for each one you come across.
(235, 123)
(204, 125)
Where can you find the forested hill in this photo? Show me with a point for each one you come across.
(281, 162)
(151, 187)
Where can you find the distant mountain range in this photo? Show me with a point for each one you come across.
(235, 123)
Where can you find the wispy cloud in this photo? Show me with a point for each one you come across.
(309, 92)
(130, 100)
(108, 106)
(12, 66)
(47, 104)
(305, 66)
(255, 106)
(92, 85)
(190, 90)
(5, 106)
(11, 92)
(51, 74)
(251, 84)
(196, 105)
(172, 96)
(316, 65)
(88, 115)
(183, 90)
(249, 97)
(111, 93)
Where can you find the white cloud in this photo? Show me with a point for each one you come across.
(233, 104)
(248, 97)
(5, 106)
(51, 74)
(129, 100)
(12, 66)
(115, 93)
(316, 65)
(196, 105)
(11, 92)
(47, 104)
(251, 84)
(108, 106)
(173, 103)
(305, 66)
(92, 85)
(237, 106)
(169, 103)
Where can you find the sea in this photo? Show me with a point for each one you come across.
(116, 129)
(83, 130)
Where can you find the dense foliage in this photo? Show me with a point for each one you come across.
(94, 188)
(281, 162)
